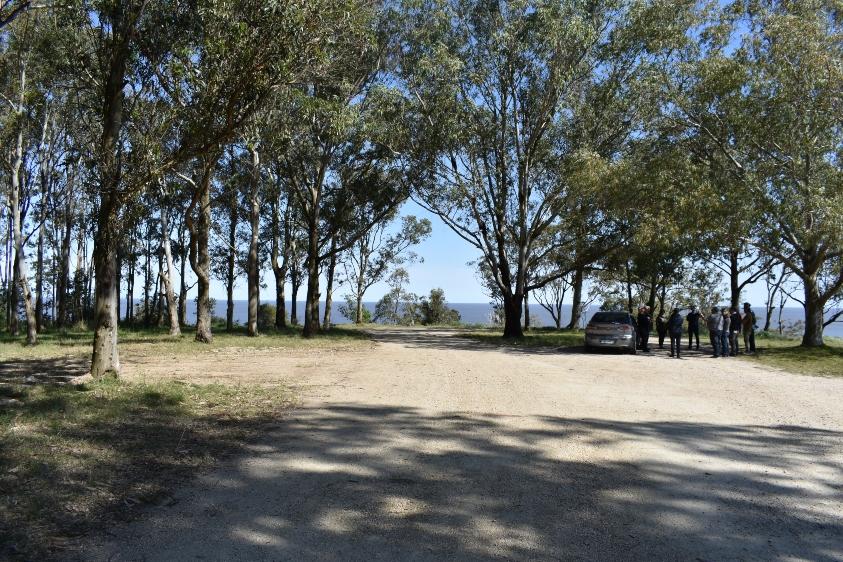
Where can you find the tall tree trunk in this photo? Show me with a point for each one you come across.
(17, 234)
(158, 306)
(105, 359)
(280, 301)
(311, 307)
(280, 269)
(39, 278)
(231, 262)
(118, 280)
(629, 304)
(576, 305)
(14, 299)
(64, 268)
(512, 316)
(167, 278)
(813, 336)
(79, 277)
(295, 284)
(147, 280)
(329, 288)
(653, 289)
(200, 257)
(252, 262)
(526, 311)
(358, 297)
(130, 283)
(182, 279)
(734, 282)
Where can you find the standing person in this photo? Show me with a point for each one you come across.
(735, 324)
(694, 327)
(644, 325)
(661, 328)
(674, 325)
(724, 332)
(715, 325)
(748, 329)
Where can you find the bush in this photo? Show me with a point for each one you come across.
(434, 309)
(349, 310)
(266, 316)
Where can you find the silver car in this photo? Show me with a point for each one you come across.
(611, 330)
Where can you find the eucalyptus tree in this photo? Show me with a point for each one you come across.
(28, 69)
(376, 253)
(190, 59)
(778, 129)
(551, 297)
(338, 156)
(497, 86)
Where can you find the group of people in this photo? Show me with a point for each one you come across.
(724, 328)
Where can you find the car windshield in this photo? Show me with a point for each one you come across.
(610, 318)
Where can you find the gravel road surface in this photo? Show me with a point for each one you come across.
(426, 446)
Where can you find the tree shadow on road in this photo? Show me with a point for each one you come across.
(390, 483)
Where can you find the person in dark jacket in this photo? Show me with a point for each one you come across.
(748, 326)
(644, 325)
(694, 327)
(674, 326)
(724, 333)
(661, 328)
(734, 330)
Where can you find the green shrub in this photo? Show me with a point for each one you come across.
(266, 316)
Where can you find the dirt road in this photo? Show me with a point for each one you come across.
(430, 447)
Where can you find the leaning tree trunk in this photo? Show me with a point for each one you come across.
(252, 262)
(200, 257)
(813, 336)
(167, 279)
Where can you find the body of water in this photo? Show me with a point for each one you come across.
(481, 313)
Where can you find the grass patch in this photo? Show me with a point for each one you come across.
(785, 353)
(539, 338)
(77, 343)
(73, 458)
